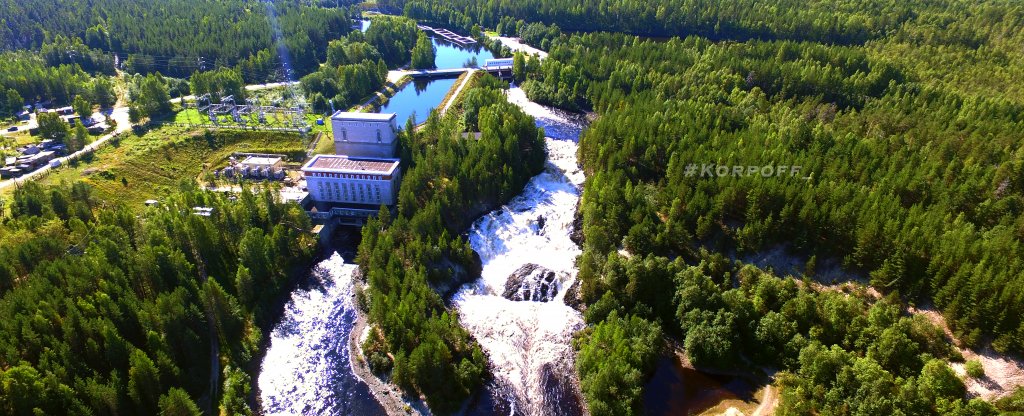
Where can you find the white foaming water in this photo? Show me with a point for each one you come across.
(306, 370)
(557, 124)
(528, 341)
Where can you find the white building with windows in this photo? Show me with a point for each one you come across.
(364, 134)
(352, 179)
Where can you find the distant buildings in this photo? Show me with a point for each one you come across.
(365, 134)
(32, 157)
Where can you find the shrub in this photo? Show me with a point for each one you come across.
(975, 369)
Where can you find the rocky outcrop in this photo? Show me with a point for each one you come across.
(456, 274)
(572, 297)
(576, 231)
(531, 283)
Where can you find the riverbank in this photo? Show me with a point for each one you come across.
(397, 79)
(685, 388)
(453, 95)
(516, 45)
(387, 394)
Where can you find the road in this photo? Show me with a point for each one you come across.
(769, 401)
(516, 45)
(120, 115)
(465, 80)
(24, 126)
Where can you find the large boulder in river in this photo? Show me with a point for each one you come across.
(531, 283)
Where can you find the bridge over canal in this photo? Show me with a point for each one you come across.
(498, 69)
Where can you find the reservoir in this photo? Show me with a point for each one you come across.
(417, 98)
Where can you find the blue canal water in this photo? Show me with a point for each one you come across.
(416, 99)
(451, 55)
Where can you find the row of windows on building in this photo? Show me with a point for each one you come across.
(350, 192)
(344, 135)
(351, 176)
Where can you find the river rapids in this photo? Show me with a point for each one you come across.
(306, 370)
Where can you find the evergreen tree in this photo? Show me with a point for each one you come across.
(423, 53)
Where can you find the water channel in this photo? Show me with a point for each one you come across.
(417, 98)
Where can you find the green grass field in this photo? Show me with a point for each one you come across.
(137, 168)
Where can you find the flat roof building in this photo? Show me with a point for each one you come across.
(256, 166)
(263, 162)
(352, 179)
(365, 134)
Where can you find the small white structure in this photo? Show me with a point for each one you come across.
(263, 163)
(354, 180)
(498, 63)
(364, 134)
(256, 167)
(202, 211)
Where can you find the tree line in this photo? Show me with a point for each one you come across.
(178, 37)
(357, 65)
(846, 22)
(27, 78)
(109, 310)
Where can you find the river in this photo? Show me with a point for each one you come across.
(306, 370)
(528, 342)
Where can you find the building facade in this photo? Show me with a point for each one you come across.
(352, 179)
(365, 134)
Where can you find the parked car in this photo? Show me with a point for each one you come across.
(12, 128)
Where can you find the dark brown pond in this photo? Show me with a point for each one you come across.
(677, 390)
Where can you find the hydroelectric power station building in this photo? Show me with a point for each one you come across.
(352, 184)
(352, 179)
(365, 134)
